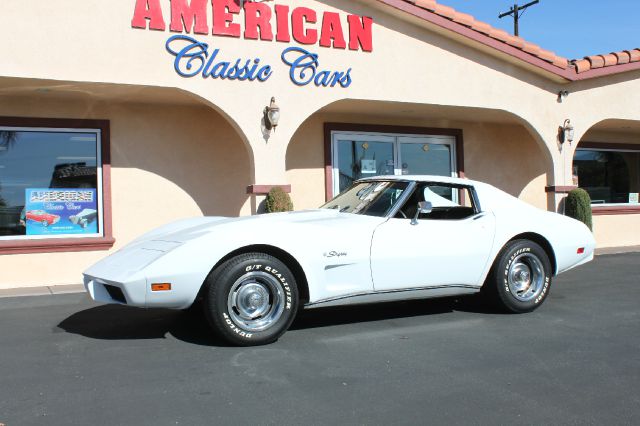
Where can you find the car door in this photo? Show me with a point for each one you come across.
(448, 247)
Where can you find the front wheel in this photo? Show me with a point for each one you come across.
(520, 279)
(251, 299)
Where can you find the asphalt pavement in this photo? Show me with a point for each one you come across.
(65, 360)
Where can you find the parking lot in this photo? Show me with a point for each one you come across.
(65, 360)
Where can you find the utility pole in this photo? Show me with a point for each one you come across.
(515, 11)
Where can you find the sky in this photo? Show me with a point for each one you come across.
(570, 28)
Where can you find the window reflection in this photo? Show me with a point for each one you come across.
(610, 177)
(31, 159)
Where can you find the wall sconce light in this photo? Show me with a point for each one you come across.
(562, 95)
(566, 132)
(272, 115)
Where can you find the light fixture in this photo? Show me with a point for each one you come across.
(562, 95)
(272, 115)
(566, 132)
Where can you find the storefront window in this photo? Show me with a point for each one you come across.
(610, 176)
(50, 183)
(361, 155)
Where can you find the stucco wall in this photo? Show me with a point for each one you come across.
(168, 162)
(504, 155)
(616, 230)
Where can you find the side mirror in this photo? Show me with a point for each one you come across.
(424, 207)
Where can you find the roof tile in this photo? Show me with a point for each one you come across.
(464, 19)
(446, 11)
(582, 65)
(429, 5)
(623, 57)
(634, 55)
(597, 61)
(610, 60)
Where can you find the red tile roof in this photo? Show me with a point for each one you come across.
(577, 66)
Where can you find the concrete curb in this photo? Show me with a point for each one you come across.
(79, 288)
(42, 291)
(617, 250)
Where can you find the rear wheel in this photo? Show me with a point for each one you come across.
(251, 299)
(520, 279)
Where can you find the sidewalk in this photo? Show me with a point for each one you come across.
(79, 288)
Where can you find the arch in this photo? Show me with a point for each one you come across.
(490, 137)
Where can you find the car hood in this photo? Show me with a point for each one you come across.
(189, 229)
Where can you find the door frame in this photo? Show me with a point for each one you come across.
(387, 131)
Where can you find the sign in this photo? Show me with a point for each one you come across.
(261, 22)
(59, 211)
(633, 198)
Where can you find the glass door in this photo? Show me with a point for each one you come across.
(358, 155)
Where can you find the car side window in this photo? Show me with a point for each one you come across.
(448, 201)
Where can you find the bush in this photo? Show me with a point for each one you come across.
(578, 206)
(278, 201)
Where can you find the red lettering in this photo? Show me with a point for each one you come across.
(332, 30)
(360, 33)
(282, 19)
(223, 11)
(299, 17)
(184, 15)
(257, 15)
(148, 10)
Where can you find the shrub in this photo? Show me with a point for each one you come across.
(278, 201)
(578, 206)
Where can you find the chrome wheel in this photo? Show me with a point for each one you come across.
(256, 301)
(525, 277)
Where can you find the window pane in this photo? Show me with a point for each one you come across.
(48, 182)
(610, 177)
(359, 159)
(425, 159)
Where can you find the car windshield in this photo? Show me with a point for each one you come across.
(369, 198)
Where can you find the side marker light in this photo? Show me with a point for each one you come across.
(161, 287)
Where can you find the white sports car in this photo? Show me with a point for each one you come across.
(385, 238)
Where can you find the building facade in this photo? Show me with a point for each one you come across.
(117, 117)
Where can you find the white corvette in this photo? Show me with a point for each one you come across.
(385, 238)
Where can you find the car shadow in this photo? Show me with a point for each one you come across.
(115, 322)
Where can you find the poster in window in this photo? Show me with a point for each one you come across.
(633, 198)
(61, 211)
(368, 167)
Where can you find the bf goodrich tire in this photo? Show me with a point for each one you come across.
(520, 279)
(251, 299)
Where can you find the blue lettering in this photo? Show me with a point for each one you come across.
(185, 57)
(303, 67)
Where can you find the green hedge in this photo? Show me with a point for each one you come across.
(278, 201)
(578, 206)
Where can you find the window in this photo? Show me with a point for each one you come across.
(610, 174)
(52, 184)
(369, 198)
(360, 151)
(448, 202)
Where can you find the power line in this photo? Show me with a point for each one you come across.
(515, 12)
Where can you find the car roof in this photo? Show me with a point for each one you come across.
(422, 178)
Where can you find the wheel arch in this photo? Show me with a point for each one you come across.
(542, 242)
(278, 253)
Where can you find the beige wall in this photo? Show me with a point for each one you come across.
(168, 162)
(504, 155)
(616, 230)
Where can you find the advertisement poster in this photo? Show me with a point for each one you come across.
(60, 211)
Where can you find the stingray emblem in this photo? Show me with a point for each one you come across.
(335, 254)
